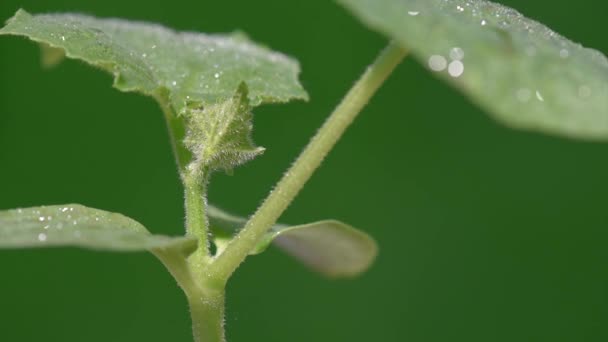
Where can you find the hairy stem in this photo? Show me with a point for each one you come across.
(308, 161)
(194, 182)
(206, 302)
(206, 306)
(207, 312)
(196, 219)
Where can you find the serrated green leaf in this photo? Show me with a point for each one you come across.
(79, 226)
(329, 247)
(219, 136)
(191, 75)
(145, 57)
(520, 71)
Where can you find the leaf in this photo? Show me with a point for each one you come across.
(193, 76)
(219, 136)
(79, 226)
(520, 71)
(145, 57)
(329, 247)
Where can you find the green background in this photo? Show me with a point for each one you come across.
(486, 234)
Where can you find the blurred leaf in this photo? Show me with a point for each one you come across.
(520, 71)
(189, 67)
(79, 226)
(219, 136)
(329, 247)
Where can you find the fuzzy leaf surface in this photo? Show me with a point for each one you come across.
(219, 136)
(520, 71)
(331, 248)
(78, 226)
(149, 58)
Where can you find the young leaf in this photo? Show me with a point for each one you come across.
(145, 57)
(520, 71)
(329, 247)
(219, 135)
(79, 226)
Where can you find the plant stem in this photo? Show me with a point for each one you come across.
(206, 302)
(196, 219)
(194, 182)
(207, 312)
(309, 160)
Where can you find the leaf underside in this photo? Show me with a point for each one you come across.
(78, 226)
(329, 247)
(523, 73)
(192, 68)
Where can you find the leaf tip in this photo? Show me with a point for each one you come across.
(331, 248)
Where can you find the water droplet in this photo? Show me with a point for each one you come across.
(539, 96)
(524, 94)
(438, 63)
(413, 13)
(457, 53)
(41, 237)
(456, 69)
(564, 53)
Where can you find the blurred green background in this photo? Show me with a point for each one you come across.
(486, 234)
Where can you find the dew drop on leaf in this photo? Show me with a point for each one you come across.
(437, 63)
(456, 69)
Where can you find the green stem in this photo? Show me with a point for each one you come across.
(195, 203)
(308, 161)
(194, 182)
(205, 301)
(207, 312)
